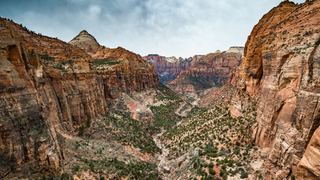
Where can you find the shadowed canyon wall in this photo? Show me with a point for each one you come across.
(281, 67)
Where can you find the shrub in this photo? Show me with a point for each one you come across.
(76, 168)
(65, 176)
(244, 175)
(81, 129)
(212, 172)
(224, 176)
(211, 165)
(316, 44)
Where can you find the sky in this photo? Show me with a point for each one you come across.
(180, 28)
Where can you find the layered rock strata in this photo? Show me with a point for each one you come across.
(49, 88)
(169, 68)
(119, 70)
(281, 67)
(210, 70)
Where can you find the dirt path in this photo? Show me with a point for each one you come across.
(162, 166)
(177, 111)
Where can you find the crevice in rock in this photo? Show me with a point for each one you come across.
(315, 123)
(285, 59)
(310, 66)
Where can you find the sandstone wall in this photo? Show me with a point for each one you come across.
(214, 65)
(281, 67)
(49, 88)
(210, 70)
(169, 70)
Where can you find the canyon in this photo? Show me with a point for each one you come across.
(210, 70)
(85, 111)
(51, 89)
(168, 68)
(280, 68)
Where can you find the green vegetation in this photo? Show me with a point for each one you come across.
(118, 169)
(88, 122)
(129, 131)
(196, 110)
(165, 116)
(81, 129)
(166, 93)
(201, 83)
(317, 43)
(106, 61)
(219, 137)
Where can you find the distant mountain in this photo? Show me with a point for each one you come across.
(168, 68)
(210, 70)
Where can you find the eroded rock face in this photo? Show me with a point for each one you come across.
(49, 88)
(130, 73)
(37, 101)
(281, 67)
(169, 68)
(215, 65)
(86, 41)
(119, 70)
(210, 70)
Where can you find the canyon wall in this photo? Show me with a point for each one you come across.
(49, 88)
(118, 70)
(211, 70)
(169, 68)
(281, 68)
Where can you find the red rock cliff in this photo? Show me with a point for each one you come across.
(208, 71)
(119, 70)
(49, 88)
(169, 68)
(214, 65)
(281, 66)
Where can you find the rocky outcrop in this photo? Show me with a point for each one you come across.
(49, 88)
(119, 70)
(128, 72)
(168, 68)
(281, 67)
(86, 41)
(215, 65)
(39, 97)
(211, 70)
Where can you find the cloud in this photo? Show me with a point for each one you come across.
(167, 27)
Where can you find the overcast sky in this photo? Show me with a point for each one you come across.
(166, 27)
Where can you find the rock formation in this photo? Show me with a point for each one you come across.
(169, 68)
(49, 88)
(281, 67)
(210, 70)
(119, 70)
(86, 41)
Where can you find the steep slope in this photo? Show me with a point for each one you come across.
(119, 70)
(43, 92)
(210, 70)
(86, 41)
(51, 91)
(216, 95)
(168, 68)
(281, 68)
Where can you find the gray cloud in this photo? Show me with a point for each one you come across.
(167, 27)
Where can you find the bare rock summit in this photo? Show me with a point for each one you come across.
(86, 41)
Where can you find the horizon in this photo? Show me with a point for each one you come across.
(167, 28)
